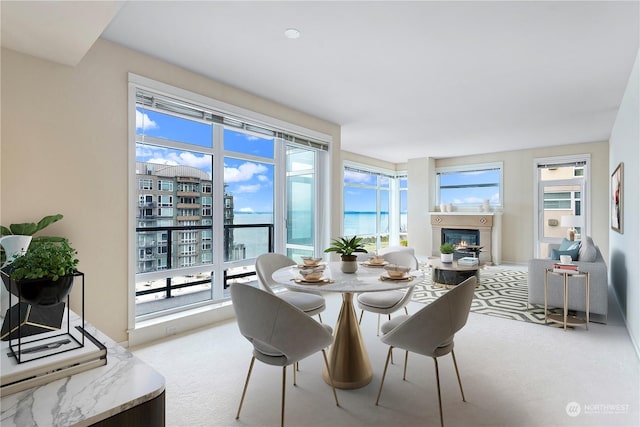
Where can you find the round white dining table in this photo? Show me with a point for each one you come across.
(348, 359)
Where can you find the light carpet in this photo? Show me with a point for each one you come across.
(500, 293)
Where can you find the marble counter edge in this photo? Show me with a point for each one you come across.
(87, 397)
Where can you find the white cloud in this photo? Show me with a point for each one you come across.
(245, 172)
(263, 178)
(362, 178)
(247, 188)
(246, 210)
(162, 161)
(144, 122)
(183, 158)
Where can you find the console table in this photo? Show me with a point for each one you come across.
(125, 391)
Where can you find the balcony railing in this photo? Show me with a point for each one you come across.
(228, 231)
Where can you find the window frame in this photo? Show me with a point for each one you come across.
(476, 167)
(286, 132)
(393, 189)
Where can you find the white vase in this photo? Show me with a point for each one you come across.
(486, 206)
(449, 207)
(443, 207)
(12, 245)
(446, 257)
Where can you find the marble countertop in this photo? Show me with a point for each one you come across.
(87, 397)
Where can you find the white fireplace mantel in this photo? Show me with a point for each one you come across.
(488, 223)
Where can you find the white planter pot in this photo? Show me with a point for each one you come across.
(446, 257)
(349, 264)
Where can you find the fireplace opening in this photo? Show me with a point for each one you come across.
(461, 239)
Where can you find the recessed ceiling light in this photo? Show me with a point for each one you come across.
(292, 33)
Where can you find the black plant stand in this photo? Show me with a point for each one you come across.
(38, 331)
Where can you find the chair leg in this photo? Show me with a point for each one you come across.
(326, 365)
(284, 386)
(378, 332)
(406, 359)
(384, 373)
(246, 383)
(435, 361)
(320, 317)
(455, 365)
(294, 366)
(406, 311)
(360, 320)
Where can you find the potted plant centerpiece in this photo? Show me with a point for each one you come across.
(446, 252)
(44, 274)
(347, 247)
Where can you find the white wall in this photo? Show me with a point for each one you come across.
(624, 256)
(420, 202)
(65, 150)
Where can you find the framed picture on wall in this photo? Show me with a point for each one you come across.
(617, 198)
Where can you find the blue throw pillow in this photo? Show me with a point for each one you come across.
(569, 245)
(555, 254)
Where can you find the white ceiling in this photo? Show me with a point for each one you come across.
(403, 79)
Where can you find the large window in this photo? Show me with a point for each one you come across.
(470, 185)
(373, 204)
(206, 186)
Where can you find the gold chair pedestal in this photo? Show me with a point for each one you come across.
(348, 358)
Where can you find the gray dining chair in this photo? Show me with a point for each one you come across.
(311, 303)
(430, 331)
(387, 302)
(280, 333)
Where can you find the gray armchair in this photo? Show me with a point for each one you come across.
(431, 331)
(388, 302)
(281, 334)
(310, 302)
(590, 260)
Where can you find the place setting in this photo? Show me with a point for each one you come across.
(376, 261)
(312, 275)
(396, 273)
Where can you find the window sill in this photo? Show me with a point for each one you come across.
(176, 323)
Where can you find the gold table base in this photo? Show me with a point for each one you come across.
(348, 358)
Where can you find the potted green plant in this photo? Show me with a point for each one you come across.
(15, 239)
(44, 274)
(347, 247)
(446, 252)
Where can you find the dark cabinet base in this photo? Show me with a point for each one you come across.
(148, 414)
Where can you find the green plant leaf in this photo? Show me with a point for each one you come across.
(47, 221)
(30, 228)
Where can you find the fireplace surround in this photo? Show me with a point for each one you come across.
(487, 226)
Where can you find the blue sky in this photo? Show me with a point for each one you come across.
(473, 196)
(250, 182)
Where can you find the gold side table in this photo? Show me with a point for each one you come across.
(564, 319)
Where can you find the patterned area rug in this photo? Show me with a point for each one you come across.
(500, 293)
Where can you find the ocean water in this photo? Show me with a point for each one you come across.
(255, 239)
